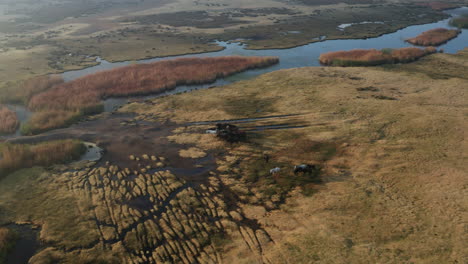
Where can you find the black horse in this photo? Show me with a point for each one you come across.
(305, 168)
(229, 132)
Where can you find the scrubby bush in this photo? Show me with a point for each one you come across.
(18, 156)
(434, 37)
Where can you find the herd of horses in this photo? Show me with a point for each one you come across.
(302, 168)
(232, 133)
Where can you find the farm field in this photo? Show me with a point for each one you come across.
(167, 191)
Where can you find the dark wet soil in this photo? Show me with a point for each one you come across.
(119, 137)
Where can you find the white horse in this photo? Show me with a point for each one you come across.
(275, 170)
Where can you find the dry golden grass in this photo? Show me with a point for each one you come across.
(193, 153)
(8, 121)
(18, 156)
(434, 37)
(401, 170)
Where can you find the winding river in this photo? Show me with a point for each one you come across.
(302, 56)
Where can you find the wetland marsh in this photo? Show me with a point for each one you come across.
(141, 180)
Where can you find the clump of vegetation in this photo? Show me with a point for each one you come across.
(434, 37)
(7, 241)
(47, 120)
(18, 156)
(83, 96)
(22, 93)
(460, 22)
(8, 121)
(372, 57)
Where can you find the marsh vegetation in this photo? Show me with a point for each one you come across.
(372, 57)
(434, 37)
(64, 103)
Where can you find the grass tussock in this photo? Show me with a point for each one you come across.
(8, 120)
(18, 156)
(372, 57)
(434, 37)
(7, 240)
(22, 93)
(83, 96)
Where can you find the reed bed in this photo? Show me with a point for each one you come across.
(434, 37)
(19, 156)
(8, 121)
(140, 79)
(372, 57)
(65, 102)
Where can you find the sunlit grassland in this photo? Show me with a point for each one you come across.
(395, 159)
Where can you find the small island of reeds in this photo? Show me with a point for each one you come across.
(434, 37)
(372, 57)
(64, 103)
(8, 121)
